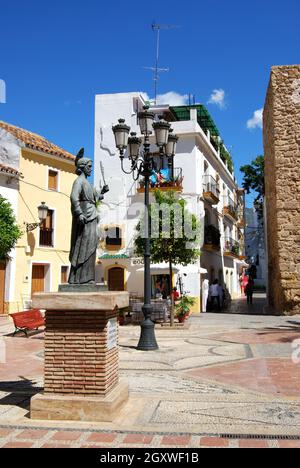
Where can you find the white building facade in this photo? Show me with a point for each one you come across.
(200, 176)
(9, 187)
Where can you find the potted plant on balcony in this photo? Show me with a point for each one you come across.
(236, 248)
(183, 308)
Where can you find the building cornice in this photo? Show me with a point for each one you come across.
(10, 172)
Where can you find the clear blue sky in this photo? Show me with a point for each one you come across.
(55, 56)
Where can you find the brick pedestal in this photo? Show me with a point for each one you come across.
(81, 357)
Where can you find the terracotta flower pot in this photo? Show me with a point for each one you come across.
(121, 320)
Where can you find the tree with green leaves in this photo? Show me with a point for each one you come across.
(254, 179)
(10, 232)
(175, 234)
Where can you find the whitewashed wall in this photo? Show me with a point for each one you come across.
(192, 149)
(9, 190)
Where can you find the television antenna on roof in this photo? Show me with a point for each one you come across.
(156, 69)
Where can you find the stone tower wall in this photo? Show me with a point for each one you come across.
(282, 180)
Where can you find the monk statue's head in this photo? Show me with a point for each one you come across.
(83, 164)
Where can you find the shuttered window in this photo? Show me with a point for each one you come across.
(53, 180)
(46, 231)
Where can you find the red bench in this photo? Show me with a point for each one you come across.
(27, 320)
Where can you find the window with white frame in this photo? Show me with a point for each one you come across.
(53, 180)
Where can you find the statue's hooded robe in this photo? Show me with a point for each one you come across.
(84, 239)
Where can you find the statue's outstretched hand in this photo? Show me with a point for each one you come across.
(105, 189)
(82, 219)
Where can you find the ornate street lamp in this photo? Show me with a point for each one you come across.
(161, 129)
(42, 214)
(121, 131)
(172, 144)
(142, 164)
(134, 144)
(146, 120)
(171, 150)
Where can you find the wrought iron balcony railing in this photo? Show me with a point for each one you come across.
(230, 208)
(231, 247)
(210, 189)
(165, 179)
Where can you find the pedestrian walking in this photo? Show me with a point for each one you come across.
(249, 290)
(245, 282)
(205, 292)
(221, 295)
(214, 294)
(175, 294)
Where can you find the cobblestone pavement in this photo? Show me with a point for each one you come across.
(225, 380)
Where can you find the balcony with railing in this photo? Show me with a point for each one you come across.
(165, 179)
(230, 209)
(241, 217)
(211, 238)
(231, 248)
(241, 223)
(211, 193)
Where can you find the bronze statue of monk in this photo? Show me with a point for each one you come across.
(84, 239)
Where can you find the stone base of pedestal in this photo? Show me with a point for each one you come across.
(79, 408)
(80, 288)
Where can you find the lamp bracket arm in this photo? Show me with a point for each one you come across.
(126, 172)
(32, 226)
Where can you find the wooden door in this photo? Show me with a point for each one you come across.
(2, 287)
(64, 274)
(38, 279)
(116, 279)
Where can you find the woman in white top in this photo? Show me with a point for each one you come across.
(214, 293)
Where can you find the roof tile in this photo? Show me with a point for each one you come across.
(36, 142)
(9, 170)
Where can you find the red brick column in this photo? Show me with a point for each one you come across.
(81, 357)
(77, 358)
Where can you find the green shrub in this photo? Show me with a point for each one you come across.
(184, 305)
(10, 232)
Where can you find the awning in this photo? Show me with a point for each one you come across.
(242, 263)
(113, 257)
(163, 268)
(159, 269)
(193, 269)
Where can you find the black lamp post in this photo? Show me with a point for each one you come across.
(142, 164)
